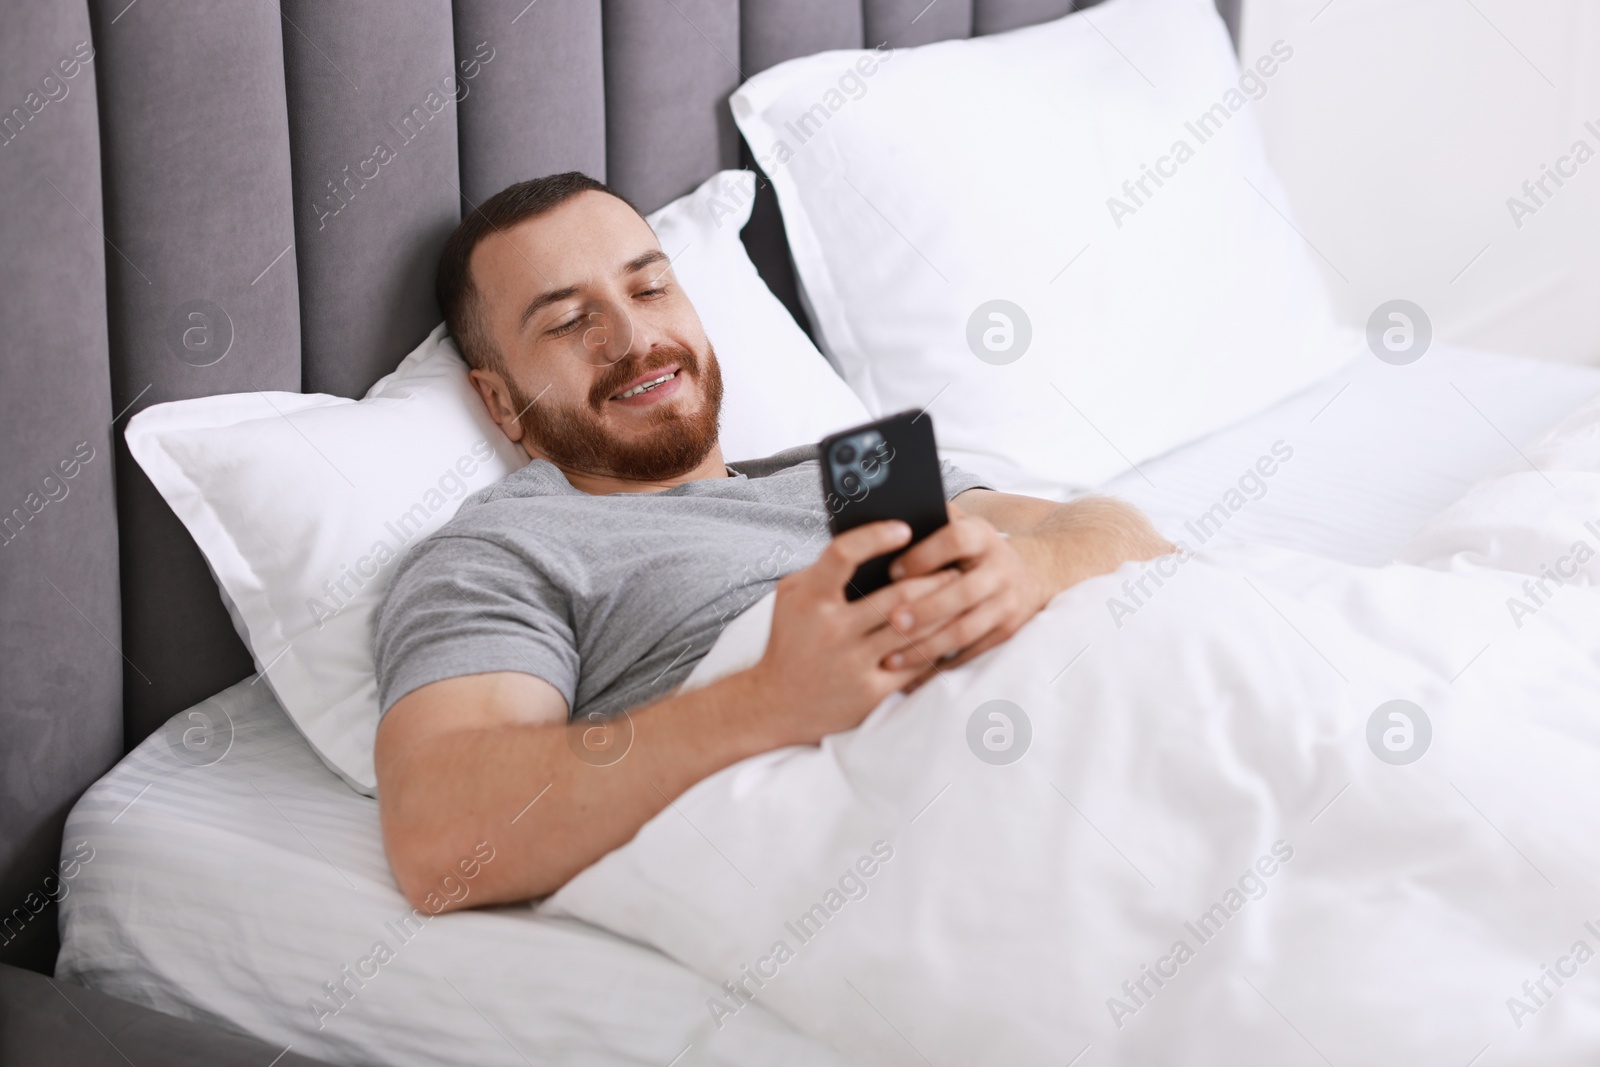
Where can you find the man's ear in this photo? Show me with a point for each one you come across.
(496, 396)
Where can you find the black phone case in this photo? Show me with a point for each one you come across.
(886, 469)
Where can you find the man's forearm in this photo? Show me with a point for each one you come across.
(1090, 537)
(1067, 543)
(546, 812)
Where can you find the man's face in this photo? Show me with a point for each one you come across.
(607, 370)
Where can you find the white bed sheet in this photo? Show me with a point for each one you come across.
(230, 893)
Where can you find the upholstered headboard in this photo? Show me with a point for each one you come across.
(206, 196)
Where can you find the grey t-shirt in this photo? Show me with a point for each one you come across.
(611, 599)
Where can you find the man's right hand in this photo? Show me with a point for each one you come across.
(823, 669)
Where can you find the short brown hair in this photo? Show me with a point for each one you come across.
(458, 297)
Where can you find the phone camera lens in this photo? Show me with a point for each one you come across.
(845, 453)
(850, 482)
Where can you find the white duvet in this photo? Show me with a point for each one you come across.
(1209, 844)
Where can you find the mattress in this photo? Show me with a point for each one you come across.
(236, 881)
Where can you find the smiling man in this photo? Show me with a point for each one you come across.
(588, 584)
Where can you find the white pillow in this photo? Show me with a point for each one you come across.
(778, 389)
(919, 185)
(301, 504)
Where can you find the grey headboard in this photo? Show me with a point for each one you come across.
(231, 196)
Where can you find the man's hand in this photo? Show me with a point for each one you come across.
(993, 592)
(827, 662)
(1006, 578)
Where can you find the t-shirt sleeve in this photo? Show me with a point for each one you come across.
(464, 605)
(958, 481)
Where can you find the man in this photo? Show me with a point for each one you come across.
(590, 582)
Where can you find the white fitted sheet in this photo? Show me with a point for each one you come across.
(230, 893)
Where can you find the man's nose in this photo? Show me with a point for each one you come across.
(609, 334)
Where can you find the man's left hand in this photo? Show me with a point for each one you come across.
(999, 589)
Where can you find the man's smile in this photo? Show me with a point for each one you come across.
(652, 387)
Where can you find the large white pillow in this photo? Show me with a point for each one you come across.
(302, 503)
(920, 185)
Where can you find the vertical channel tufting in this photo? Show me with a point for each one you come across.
(771, 31)
(200, 289)
(538, 107)
(61, 704)
(997, 16)
(373, 89)
(669, 65)
(902, 23)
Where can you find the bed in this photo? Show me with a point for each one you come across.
(208, 171)
(265, 851)
(184, 166)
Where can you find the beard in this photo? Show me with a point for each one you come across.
(675, 442)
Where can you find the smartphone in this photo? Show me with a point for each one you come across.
(887, 469)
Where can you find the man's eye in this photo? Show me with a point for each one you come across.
(652, 292)
(565, 328)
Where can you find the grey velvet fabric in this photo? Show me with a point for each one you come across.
(771, 31)
(997, 16)
(904, 23)
(372, 97)
(669, 68)
(197, 215)
(46, 1023)
(60, 701)
(539, 106)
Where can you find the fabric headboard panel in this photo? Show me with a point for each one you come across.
(60, 627)
(228, 197)
(198, 201)
(523, 119)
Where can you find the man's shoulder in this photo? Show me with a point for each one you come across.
(536, 478)
(504, 504)
(484, 517)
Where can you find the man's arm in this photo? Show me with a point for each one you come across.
(1067, 543)
(1005, 580)
(486, 758)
